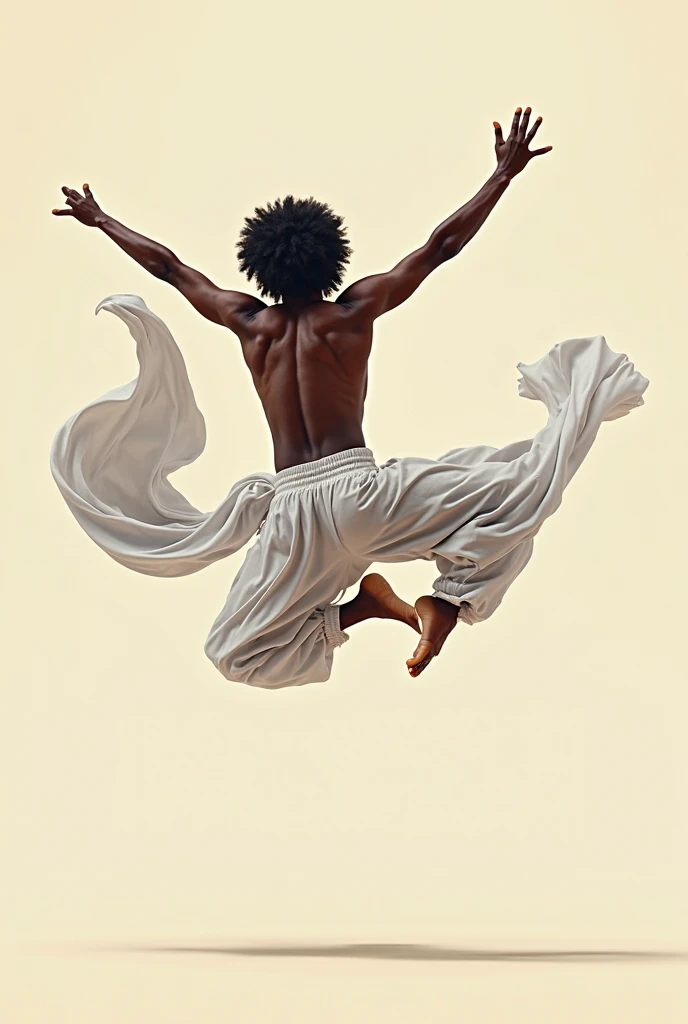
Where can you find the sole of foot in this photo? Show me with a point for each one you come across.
(385, 604)
(438, 619)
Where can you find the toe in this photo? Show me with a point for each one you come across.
(422, 653)
(415, 670)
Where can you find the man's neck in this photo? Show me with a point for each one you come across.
(299, 302)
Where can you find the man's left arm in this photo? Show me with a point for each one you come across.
(219, 305)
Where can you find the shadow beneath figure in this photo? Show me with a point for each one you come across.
(420, 952)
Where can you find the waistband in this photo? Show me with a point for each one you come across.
(310, 474)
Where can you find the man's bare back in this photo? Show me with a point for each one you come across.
(308, 357)
(309, 366)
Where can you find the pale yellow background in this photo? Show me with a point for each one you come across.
(529, 792)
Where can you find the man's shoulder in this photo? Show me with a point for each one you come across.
(277, 321)
(325, 310)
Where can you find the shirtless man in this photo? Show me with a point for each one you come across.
(308, 356)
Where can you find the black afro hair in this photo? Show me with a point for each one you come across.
(294, 247)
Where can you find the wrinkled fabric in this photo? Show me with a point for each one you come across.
(112, 460)
(475, 511)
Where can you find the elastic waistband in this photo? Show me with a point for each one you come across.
(310, 474)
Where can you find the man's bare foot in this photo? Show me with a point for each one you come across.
(438, 619)
(377, 600)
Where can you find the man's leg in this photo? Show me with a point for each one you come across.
(477, 511)
(280, 627)
(438, 618)
(294, 644)
(459, 511)
(376, 600)
(463, 596)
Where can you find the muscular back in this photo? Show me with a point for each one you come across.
(309, 367)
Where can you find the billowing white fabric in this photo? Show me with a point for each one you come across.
(112, 460)
(475, 511)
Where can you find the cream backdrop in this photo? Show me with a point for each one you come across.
(526, 793)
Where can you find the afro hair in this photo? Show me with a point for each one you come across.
(294, 247)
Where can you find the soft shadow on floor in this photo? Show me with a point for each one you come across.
(404, 951)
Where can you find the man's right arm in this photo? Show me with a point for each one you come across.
(373, 296)
(381, 293)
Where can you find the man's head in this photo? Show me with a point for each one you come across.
(293, 248)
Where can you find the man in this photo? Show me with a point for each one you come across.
(330, 512)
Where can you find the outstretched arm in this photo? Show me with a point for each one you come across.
(382, 292)
(216, 304)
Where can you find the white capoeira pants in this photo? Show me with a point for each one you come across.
(319, 526)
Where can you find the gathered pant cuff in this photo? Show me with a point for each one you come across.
(334, 636)
(464, 611)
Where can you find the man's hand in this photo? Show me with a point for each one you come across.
(83, 207)
(513, 154)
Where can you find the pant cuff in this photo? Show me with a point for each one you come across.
(464, 611)
(334, 636)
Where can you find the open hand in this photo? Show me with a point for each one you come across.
(83, 207)
(513, 154)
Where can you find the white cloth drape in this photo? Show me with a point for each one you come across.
(112, 460)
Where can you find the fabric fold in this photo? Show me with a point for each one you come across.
(582, 383)
(111, 462)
